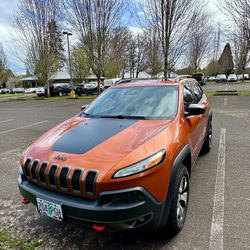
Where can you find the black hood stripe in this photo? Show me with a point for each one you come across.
(89, 134)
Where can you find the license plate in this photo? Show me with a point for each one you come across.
(50, 209)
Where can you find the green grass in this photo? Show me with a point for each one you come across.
(8, 242)
(2, 96)
(27, 98)
(223, 83)
(240, 93)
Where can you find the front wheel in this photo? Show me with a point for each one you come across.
(178, 211)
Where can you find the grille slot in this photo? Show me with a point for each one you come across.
(52, 172)
(76, 180)
(26, 167)
(63, 178)
(34, 169)
(90, 183)
(42, 172)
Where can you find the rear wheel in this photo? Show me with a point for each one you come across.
(178, 211)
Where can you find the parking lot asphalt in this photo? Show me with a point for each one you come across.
(218, 215)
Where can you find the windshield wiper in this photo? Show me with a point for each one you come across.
(123, 117)
(88, 115)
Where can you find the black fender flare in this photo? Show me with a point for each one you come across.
(177, 164)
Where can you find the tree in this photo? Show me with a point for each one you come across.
(137, 55)
(117, 53)
(37, 36)
(200, 37)
(80, 64)
(3, 65)
(172, 19)
(238, 15)
(226, 60)
(95, 21)
(212, 68)
(55, 43)
(153, 52)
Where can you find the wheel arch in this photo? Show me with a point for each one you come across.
(183, 158)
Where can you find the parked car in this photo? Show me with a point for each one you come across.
(221, 78)
(4, 91)
(125, 161)
(110, 82)
(200, 78)
(59, 89)
(211, 79)
(232, 78)
(30, 90)
(17, 91)
(88, 88)
(240, 77)
(40, 91)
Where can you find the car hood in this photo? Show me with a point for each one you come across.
(99, 143)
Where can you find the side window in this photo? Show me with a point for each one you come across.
(188, 96)
(197, 91)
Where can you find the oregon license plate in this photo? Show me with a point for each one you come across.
(50, 209)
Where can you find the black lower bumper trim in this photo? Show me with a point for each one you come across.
(145, 214)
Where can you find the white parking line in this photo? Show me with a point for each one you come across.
(216, 235)
(27, 126)
(6, 121)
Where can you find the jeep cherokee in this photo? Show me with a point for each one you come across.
(125, 161)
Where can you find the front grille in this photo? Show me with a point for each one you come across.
(90, 183)
(52, 177)
(76, 181)
(64, 179)
(42, 172)
(26, 167)
(34, 170)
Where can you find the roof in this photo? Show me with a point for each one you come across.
(29, 79)
(94, 77)
(60, 75)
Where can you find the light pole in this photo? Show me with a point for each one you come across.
(70, 71)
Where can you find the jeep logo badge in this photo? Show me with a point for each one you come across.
(60, 158)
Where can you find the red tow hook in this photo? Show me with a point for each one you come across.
(25, 201)
(99, 228)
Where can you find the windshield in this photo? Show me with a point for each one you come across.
(145, 102)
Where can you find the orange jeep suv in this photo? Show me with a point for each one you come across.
(125, 161)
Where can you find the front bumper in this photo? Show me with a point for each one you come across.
(127, 212)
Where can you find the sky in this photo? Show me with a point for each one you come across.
(9, 7)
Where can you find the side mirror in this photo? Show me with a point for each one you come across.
(84, 107)
(195, 109)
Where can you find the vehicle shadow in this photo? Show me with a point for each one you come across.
(77, 235)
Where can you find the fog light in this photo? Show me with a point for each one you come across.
(141, 219)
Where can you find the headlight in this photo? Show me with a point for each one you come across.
(139, 167)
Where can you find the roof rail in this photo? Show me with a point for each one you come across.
(132, 80)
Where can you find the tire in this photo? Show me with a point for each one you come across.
(206, 147)
(179, 206)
